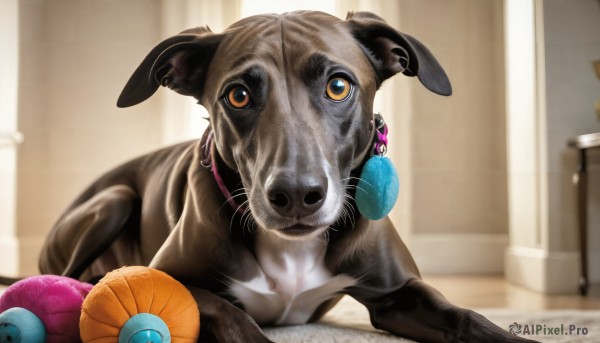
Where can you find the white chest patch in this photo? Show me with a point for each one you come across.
(291, 284)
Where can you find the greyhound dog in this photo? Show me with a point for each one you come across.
(258, 217)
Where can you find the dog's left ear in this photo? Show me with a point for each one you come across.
(179, 62)
(391, 52)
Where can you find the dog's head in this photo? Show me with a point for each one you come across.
(290, 99)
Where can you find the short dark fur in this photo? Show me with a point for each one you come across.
(166, 211)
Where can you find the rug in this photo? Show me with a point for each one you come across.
(349, 322)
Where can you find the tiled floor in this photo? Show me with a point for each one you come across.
(492, 291)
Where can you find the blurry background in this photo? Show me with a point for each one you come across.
(485, 174)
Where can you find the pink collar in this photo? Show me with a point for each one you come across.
(210, 161)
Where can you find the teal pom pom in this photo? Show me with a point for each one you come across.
(19, 325)
(377, 189)
(147, 336)
(145, 327)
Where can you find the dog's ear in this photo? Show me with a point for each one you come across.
(179, 62)
(391, 52)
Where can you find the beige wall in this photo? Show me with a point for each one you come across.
(458, 150)
(74, 58)
(458, 143)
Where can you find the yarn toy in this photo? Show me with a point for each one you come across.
(44, 308)
(139, 304)
(378, 186)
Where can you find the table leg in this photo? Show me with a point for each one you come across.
(580, 180)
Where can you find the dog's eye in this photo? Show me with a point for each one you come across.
(338, 89)
(238, 97)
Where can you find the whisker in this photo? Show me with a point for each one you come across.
(344, 214)
(350, 212)
(241, 191)
(351, 178)
(249, 222)
(246, 209)
(236, 196)
(356, 187)
(349, 188)
(348, 196)
(357, 178)
(348, 199)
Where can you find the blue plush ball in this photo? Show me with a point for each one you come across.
(377, 189)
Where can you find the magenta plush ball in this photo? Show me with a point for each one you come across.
(56, 300)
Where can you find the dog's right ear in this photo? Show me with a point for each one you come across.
(179, 62)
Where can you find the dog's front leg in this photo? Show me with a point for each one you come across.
(397, 299)
(223, 322)
(419, 312)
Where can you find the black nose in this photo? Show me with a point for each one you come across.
(296, 196)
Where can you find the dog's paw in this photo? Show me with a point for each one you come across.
(479, 329)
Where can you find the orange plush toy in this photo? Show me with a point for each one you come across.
(139, 304)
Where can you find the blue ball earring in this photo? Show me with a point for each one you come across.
(378, 187)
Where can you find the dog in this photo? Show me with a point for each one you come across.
(258, 217)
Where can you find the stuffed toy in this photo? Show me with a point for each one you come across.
(139, 304)
(378, 185)
(44, 308)
(378, 188)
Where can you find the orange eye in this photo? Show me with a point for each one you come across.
(338, 89)
(238, 97)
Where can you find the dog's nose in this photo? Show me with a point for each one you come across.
(296, 197)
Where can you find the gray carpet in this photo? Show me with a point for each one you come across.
(349, 322)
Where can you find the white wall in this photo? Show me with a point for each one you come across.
(9, 50)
